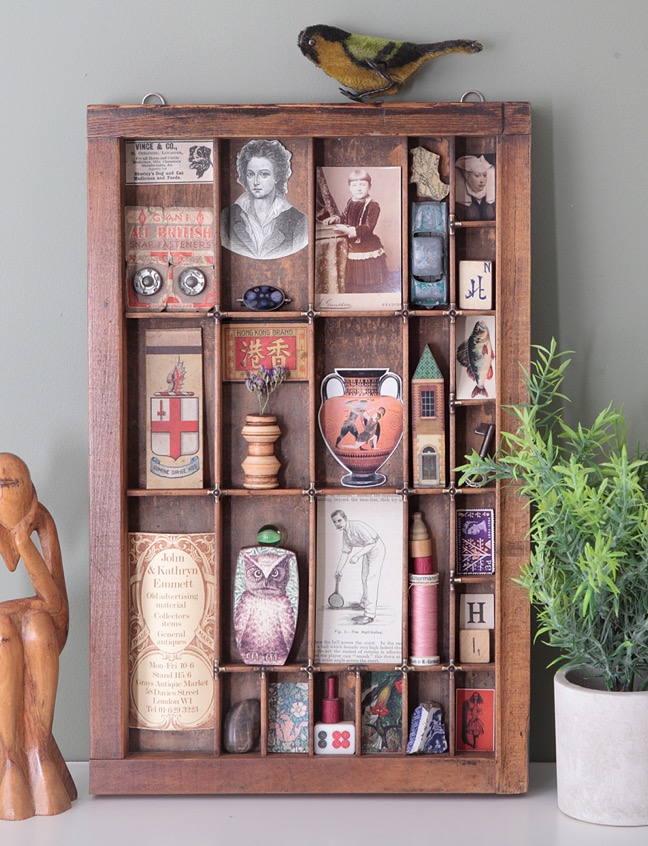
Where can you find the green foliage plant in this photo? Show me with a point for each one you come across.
(587, 574)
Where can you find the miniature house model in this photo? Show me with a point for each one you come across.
(428, 423)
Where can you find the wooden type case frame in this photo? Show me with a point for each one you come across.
(124, 760)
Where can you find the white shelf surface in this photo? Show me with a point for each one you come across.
(532, 819)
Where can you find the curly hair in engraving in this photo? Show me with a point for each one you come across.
(264, 621)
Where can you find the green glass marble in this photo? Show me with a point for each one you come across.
(269, 535)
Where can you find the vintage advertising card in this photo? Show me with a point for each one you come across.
(169, 258)
(248, 346)
(167, 161)
(475, 541)
(170, 660)
(358, 238)
(476, 358)
(359, 579)
(174, 408)
(475, 720)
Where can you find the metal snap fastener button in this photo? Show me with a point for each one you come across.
(192, 281)
(147, 281)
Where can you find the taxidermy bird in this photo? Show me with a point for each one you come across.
(371, 67)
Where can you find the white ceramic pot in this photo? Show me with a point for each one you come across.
(601, 751)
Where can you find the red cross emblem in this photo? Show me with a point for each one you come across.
(174, 426)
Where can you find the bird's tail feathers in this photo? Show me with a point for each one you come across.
(440, 48)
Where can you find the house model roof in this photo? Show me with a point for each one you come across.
(427, 368)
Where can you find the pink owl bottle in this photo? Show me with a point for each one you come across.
(266, 600)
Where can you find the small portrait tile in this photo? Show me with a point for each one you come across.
(475, 187)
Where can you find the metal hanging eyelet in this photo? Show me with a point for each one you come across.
(478, 94)
(162, 102)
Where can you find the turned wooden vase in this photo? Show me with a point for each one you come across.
(261, 464)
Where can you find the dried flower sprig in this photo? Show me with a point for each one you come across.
(264, 382)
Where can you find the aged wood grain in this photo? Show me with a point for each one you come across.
(317, 135)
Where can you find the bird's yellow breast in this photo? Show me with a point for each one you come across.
(336, 62)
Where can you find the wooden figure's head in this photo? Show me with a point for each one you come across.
(16, 497)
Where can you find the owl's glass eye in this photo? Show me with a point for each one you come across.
(276, 574)
(257, 574)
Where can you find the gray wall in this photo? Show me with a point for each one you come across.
(582, 65)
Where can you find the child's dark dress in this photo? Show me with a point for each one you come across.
(366, 268)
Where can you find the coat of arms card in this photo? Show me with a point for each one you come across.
(174, 409)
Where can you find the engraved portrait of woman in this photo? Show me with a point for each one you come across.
(261, 223)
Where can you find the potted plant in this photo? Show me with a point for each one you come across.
(587, 576)
(261, 430)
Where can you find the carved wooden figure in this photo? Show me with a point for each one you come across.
(33, 776)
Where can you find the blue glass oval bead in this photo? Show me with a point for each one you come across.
(264, 298)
